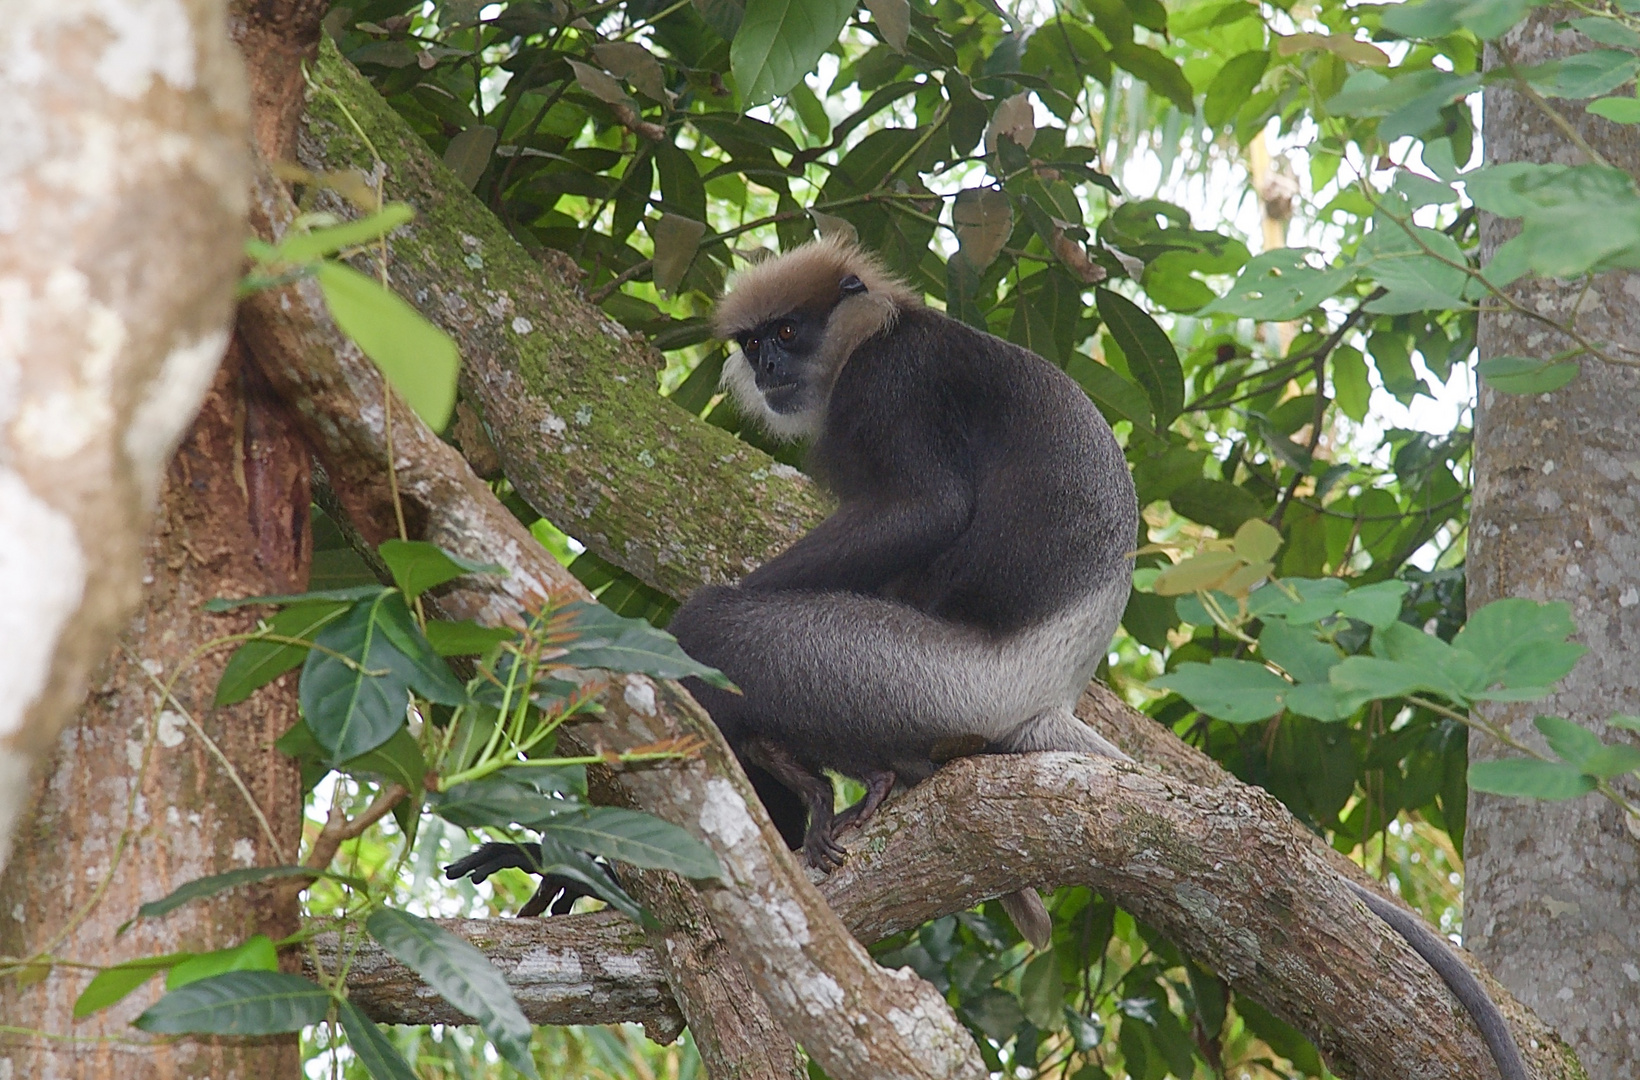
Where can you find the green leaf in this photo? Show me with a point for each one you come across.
(257, 663)
(1316, 599)
(780, 41)
(461, 975)
(469, 153)
(1278, 286)
(256, 953)
(1529, 778)
(418, 565)
(355, 689)
(1619, 110)
(1571, 742)
(810, 111)
(1218, 503)
(1042, 992)
(983, 218)
(418, 359)
(1376, 605)
(1351, 387)
(1117, 398)
(1236, 691)
(1607, 31)
(1230, 88)
(112, 984)
(1583, 75)
(1360, 679)
(676, 240)
(305, 247)
(613, 642)
(1525, 374)
(578, 866)
(238, 1003)
(1296, 651)
(632, 837)
(1625, 721)
(1520, 642)
(1612, 760)
(374, 1049)
(1150, 353)
(465, 638)
(500, 800)
(396, 761)
(1162, 74)
(1394, 255)
(200, 888)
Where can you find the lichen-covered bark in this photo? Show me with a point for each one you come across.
(135, 803)
(566, 393)
(800, 958)
(1550, 896)
(121, 203)
(1219, 869)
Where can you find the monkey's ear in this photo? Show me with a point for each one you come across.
(852, 285)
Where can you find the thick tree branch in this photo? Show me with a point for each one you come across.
(1217, 869)
(572, 414)
(796, 953)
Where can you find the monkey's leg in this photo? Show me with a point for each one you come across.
(819, 840)
(878, 785)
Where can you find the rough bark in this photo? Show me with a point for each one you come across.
(136, 802)
(1216, 868)
(121, 201)
(796, 953)
(1550, 898)
(559, 383)
(277, 38)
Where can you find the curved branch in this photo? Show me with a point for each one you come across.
(1218, 869)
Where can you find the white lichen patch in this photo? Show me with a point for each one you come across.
(172, 728)
(552, 967)
(168, 405)
(244, 851)
(639, 695)
(620, 966)
(521, 325)
(42, 575)
(723, 814)
(552, 424)
(789, 915)
(818, 994)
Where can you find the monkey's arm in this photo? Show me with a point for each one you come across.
(864, 546)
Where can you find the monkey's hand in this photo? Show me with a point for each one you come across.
(489, 858)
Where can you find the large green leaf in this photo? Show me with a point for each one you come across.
(200, 888)
(1162, 74)
(1525, 374)
(632, 837)
(461, 975)
(304, 247)
(780, 41)
(613, 642)
(112, 984)
(1117, 398)
(1279, 285)
(1422, 269)
(1520, 642)
(1236, 691)
(356, 686)
(239, 1003)
(255, 953)
(374, 1049)
(1229, 90)
(257, 663)
(418, 358)
(1150, 353)
(1529, 778)
(418, 565)
(501, 800)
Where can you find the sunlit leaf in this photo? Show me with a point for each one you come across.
(984, 217)
(418, 359)
(462, 975)
(238, 1003)
(255, 953)
(1279, 285)
(417, 565)
(780, 41)
(304, 247)
(257, 663)
(113, 984)
(1236, 691)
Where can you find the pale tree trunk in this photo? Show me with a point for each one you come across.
(138, 801)
(1551, 900)
(122, 192)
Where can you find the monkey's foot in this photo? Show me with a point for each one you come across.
(878, 785)
(820, 845)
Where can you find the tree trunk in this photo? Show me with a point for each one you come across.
(137, 802)
(122, 198)
(1550, 898)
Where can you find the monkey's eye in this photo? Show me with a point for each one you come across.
(787, 333)
(750, 347)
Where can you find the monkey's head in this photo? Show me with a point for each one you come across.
(795, 319)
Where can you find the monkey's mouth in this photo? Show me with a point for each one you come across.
(782, 398)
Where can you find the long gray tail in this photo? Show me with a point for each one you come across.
(1458, 978)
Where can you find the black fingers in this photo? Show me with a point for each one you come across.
(494, 856)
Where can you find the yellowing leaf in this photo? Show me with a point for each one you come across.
(1257, 540)
(1342, 46)
(983, 217)
(635, 64)
(599, 84)
(676, 240)
(1013, 119)
(1204, 571)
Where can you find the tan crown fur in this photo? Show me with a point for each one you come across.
(808, 277)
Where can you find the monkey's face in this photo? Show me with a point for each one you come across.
(781, 356)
